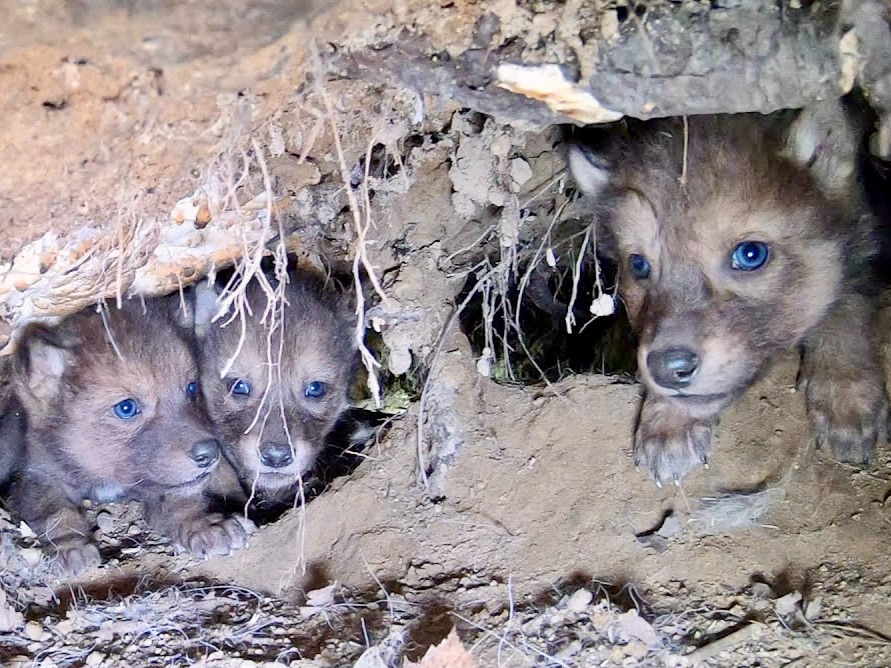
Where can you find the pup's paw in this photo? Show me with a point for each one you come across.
(848, 414)
(75, 557)
(214, 535)
(669, 444)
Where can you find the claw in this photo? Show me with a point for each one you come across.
(659, 484)
(677, 482)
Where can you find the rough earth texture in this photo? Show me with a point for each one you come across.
(143, 143)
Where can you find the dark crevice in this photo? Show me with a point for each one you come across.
(542, 348)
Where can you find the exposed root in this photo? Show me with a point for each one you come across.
(362, 224)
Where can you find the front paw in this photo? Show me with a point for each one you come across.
(850, 414)
(75, 557)
(214, 535)
(668, 444)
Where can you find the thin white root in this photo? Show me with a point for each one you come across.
(360, 258)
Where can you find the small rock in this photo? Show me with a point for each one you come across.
(813, 609)
(761, 590)
(635, 626)
(65, 627)
(580, 600)
(533, 626)
(10, 619)
(105, 521)
(609, 24)
(34, 631)
(31, 555)
(569, 651)
(520, 172)
(788, 604)
(133, 530)
(95, 658)
(636, 649)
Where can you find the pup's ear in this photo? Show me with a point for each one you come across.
(178, 306)
(591, 171)
(345, 303)
(824, 138)
(39, 366)
(204, 306)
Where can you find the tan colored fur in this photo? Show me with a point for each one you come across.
(69, 379)
(685, 210)
(312, 342)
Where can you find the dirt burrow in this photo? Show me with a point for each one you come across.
(531, 489)
(541, 499)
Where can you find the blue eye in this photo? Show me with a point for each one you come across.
(315, 390)
(239, 386)
(639, 266)
(192, 390)
(749, 255)
(126, 409)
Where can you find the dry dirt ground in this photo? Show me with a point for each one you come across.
(532, 534)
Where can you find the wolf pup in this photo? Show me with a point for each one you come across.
(112, 412)
(276, 386)
(740, 237)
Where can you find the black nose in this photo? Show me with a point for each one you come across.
(205, 453)
(673, 368)
(276, 455)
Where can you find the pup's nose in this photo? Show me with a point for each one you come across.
(205, 453)
(673, 368)
(276, 455)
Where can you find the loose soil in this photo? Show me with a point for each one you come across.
(533, 534)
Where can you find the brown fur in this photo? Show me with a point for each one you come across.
(69, 379)
(740, 183)
(314, 342)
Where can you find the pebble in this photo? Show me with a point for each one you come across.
(133, 530)
(31, 555)
(65, 627)
(788, 604)
(580, 600)
(95, 658)
(34, 631)
(813, 609)
(105, 521)
(569, 651)
(609, 24)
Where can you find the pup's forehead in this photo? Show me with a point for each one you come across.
(128, 342)
(133, 365)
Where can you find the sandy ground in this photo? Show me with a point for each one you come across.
(535, 536)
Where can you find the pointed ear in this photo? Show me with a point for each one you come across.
(591, 172)
(823, 139)
(179, 306)
(204, 306)
(39, 366)
(346, 306)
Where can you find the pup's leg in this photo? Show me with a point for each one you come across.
(59, 524)
(187, 519)
(670, 441)
(844, 382)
